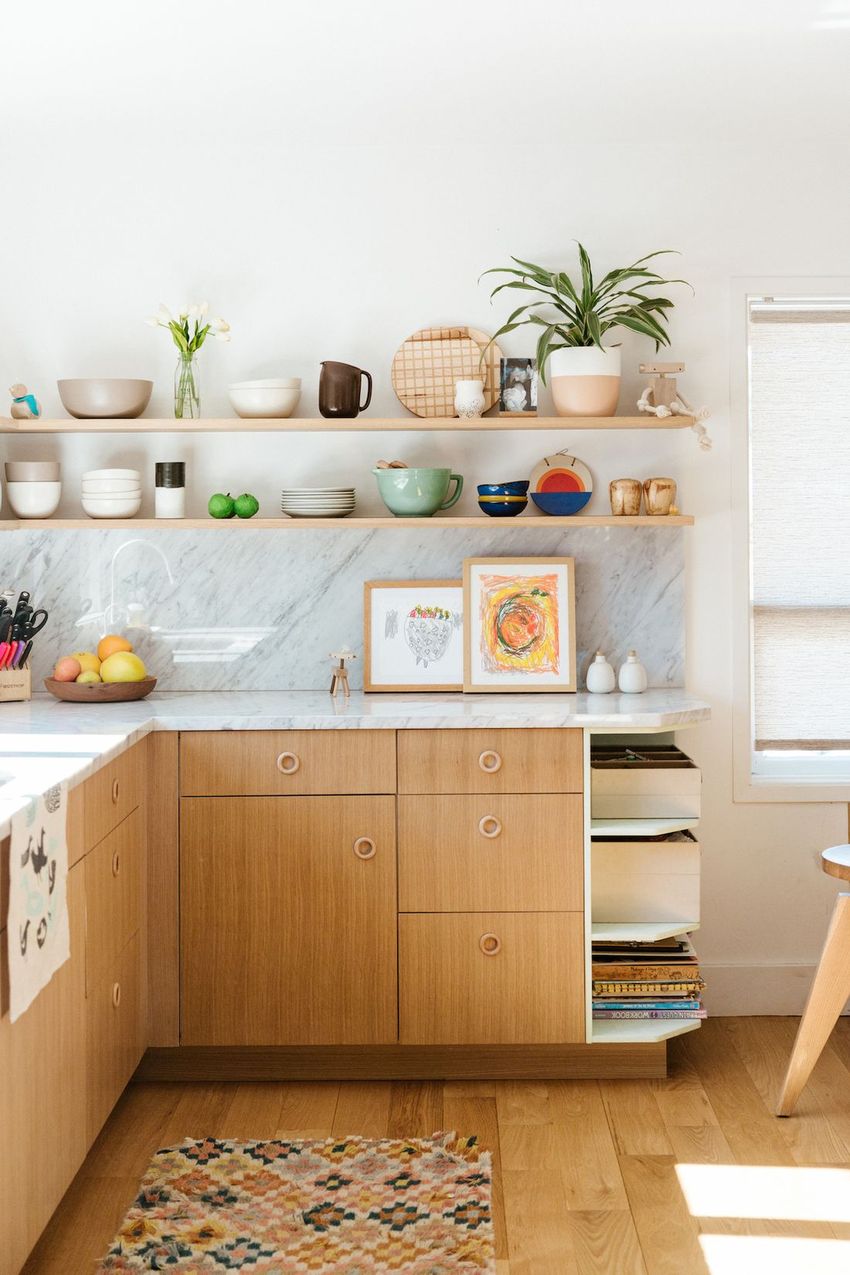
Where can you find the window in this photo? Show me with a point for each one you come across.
(799, 469)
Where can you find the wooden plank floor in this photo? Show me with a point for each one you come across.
(591, 1178)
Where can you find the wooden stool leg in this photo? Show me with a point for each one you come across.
(828, 995)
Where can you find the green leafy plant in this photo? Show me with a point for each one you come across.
(588, 310)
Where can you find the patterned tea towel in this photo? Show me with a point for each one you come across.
(37, 934)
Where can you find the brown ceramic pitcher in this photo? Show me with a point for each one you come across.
(339, 390)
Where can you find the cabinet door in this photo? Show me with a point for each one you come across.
(116, 1028)
(288, 920)
(42, 1088)
(114, 892)
(491, 978)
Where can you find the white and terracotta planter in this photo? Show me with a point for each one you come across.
(585, 380)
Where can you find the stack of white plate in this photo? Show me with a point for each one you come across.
(112, 493)
(317, 502)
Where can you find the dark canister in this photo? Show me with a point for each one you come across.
(339, 390)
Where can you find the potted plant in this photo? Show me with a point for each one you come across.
(585, 374)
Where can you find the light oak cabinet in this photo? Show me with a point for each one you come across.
(288, 920)
(490, 761)
(491, 978)
(293, 763)
(115, 1033)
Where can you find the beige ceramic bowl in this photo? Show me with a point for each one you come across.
(105, 398)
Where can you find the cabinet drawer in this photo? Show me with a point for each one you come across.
(115, 1034)
(490, 854)
(529, 990)
(113, 895)
(472, 761)
(292, 763)
(112, 793)
(646, 880)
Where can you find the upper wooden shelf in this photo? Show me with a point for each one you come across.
(353, 523)
(318, 425)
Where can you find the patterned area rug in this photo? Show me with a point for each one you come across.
(350, 1206)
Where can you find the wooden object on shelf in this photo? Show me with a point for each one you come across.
(15, 685)
(829, 991)
(646, 880)
(339, 675)
(100, 692)
(378, 523)
(288, 921)
(427, 365)
(320, 425)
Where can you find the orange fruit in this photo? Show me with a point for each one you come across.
(110, 644)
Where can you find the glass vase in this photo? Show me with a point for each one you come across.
(187, 389)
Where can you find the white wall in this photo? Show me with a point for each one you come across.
(332, 177)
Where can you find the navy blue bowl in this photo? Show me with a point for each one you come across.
(502, 508)
(561, 503)
(503, 489)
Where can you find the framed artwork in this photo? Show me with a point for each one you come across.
(518, 387)
(519, 629)
(413, 635)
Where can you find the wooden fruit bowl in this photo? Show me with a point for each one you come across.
(100, 692)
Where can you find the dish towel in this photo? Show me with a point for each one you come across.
(37, 932)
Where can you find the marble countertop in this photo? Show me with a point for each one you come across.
(44, 742)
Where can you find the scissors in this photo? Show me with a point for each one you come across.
(17, 643)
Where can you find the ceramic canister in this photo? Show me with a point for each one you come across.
(469, 399)
(600, 679)
(585, 380)
(632, 679)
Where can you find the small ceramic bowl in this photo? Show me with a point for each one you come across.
(34, 500)
(100, 474)
(274, 399)
(123, 506)
(560, 503)
(33, 471)
(503, 500)
(105, 397)
(111, 487)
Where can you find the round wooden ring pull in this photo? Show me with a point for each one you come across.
(288, 763)
(490, 944)
(116, 995)
(490, 761)
(116, 863)
(365, 848)
(489, 826)
(115, 792)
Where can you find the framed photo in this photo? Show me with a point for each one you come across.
(413, 639)
(518, 387)
(519, 624)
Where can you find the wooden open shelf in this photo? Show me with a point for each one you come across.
(479, 521)
(640, 1031)
(318, 425)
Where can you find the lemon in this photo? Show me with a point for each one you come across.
(88, 675)
(123, 666)
(87, 660)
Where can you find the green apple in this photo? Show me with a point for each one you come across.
(221, 506)
(246, 505)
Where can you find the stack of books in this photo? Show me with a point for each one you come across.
(647, 980)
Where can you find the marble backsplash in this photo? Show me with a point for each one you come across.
(260, 610)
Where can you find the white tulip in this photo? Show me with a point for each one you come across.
(222, 336)
(193, 311)
(152, 322)
(219, 325)
(202, 310)
(163, 315)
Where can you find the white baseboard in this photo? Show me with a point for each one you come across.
(756, 989)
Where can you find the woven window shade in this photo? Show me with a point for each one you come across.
(800, 523)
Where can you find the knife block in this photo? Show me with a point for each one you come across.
(15, 684)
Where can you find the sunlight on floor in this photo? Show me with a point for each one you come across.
(743, 1254)
(760, 1191)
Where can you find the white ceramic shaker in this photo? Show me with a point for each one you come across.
(601, 679)
(632, 677)
(170, 491)
(469, 399)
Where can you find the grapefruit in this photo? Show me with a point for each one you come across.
(87, 661)
(123, 666)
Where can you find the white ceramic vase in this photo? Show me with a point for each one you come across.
(632, 678)
(585, 380)
(469, 399)
(600, 676)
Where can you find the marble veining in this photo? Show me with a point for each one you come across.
(260, 610)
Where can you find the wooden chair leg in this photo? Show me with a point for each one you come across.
(827, 998)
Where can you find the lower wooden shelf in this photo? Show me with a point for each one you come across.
(639, 931)
(640, 1031)
(479, 521)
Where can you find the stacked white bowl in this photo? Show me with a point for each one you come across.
(112, 493)
(317, 502)
(274, 398)
(33, 487)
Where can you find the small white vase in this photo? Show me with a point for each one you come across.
(600, 676)
(632, 677)
(585, 380)
(469, 399)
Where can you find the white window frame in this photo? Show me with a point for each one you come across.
(778, 777)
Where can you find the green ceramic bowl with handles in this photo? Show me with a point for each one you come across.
(417, 493)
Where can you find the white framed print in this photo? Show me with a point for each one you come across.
(413, 635)
(519, 624)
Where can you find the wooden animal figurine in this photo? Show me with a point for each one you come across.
(25, 406)
(662, 398)
(339, 676)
